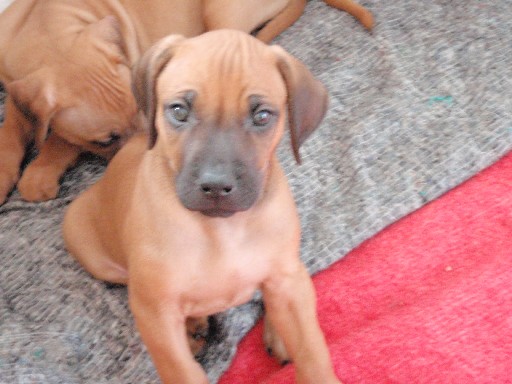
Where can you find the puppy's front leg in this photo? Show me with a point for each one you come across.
(15, 134)
(40, 180)
(162, 328)
(290, 306)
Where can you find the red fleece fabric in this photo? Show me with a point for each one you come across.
(427, 300)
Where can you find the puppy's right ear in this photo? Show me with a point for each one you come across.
(145, 74)
(307, 98)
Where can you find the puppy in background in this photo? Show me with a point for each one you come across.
(198, 215)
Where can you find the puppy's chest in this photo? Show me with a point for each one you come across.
(220, 289)
(222, 278)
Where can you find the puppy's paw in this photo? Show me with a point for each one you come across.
(197, 333)
(274, 345)
(7, 182)
(37, 184)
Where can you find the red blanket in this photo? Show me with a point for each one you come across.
(427, 300)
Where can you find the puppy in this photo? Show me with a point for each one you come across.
(198, 215)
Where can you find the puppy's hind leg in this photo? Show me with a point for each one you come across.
(84, 244)
(264, 19)
(280, 22)
(198, 329)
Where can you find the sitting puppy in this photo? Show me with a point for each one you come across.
(200, 217)
(66, 66)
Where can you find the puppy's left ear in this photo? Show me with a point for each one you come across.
(35, 97)
(145, 75)
(307, 98)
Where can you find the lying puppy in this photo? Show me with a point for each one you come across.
(203, 217)
(66, 65)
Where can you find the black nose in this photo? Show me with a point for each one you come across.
(216, 190)
(216, 185)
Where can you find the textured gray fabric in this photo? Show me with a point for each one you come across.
(416, 108)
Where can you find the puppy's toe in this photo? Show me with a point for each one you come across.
(197, 333)
(37, 186)
(274, 345)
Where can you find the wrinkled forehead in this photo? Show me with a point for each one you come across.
(228, 69)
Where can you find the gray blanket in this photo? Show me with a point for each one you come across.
(417, 107)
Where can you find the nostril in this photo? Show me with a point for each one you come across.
(206, 189)
(216, 189)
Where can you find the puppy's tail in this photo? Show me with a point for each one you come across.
(362, 14)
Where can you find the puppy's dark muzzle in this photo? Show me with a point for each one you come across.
(218, 190)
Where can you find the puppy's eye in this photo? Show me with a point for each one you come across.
(112, 139)
(177, 113)
(262, 117)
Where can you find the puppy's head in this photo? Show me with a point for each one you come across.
(82, 95)
(217, 106)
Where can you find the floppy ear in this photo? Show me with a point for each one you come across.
(109, 30)
(35, 98)
(145, 74)
(307, 98)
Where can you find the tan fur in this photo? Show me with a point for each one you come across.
(133, 228)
